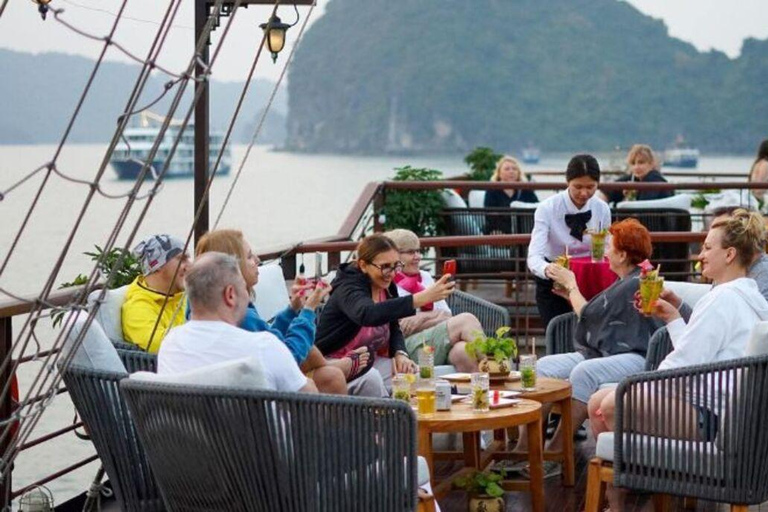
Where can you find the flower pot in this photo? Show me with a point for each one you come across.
(485, 503)
(497, 370)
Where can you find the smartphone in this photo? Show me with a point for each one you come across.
(449, 267)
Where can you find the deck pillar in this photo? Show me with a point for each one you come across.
(201, 125)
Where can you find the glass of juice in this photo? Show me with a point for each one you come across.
(479, 392)
(426, 396)
(651, 286)
(528, 371)
(401, 388)
(597, 244)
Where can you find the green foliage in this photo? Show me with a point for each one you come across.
(416, 210)
(501, 347)
(128, 271)
(700, 199)
(483, 162)
(482, 482)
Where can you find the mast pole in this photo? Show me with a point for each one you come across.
(201, 125)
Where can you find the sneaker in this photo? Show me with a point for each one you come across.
(551, 468)
(511, 467)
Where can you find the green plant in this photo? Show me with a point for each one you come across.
(700, 200)
(482, 482)
(128, 271)
(500, 346)
(483, 162)
(416, 210)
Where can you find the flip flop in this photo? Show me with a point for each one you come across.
(358, 369)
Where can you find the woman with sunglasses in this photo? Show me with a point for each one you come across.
(364, 309)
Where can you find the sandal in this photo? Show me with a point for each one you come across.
(358, 369)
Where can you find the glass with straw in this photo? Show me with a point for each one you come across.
(651, 285)
(597, 243)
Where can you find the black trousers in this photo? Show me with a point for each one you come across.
(549, 304)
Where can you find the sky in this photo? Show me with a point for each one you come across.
(707, 24)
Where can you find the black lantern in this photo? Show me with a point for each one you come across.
(275, 31)
(42, 7)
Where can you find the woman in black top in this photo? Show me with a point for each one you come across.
(507, 170)
(364, 309)
(643, 169)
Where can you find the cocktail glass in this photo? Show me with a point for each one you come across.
(401, 388)
(598, 245)
(650, 290)
(565, 262)
(528, 372)
(480, 385)
(427, 363)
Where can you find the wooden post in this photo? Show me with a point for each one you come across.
(202, 161)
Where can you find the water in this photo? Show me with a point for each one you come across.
(280, 198)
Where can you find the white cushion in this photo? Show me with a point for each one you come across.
(244, 373)
(730, 198)
(109, 314)
(682, 201)
(422, 471)
(758, 340)
(95, 352)
(689, 292)
(271, 293)
(523, 205)
(652, 448)
(452, 199)
(476, 198)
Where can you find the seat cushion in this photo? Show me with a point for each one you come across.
(245, 373)
(95, 352)
(648, 448)
(452, 199)
(109, 314)
(422, 471)
(476, 198)
(682, 201)
(689, 292)
(271, 293)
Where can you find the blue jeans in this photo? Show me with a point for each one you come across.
(587, 375)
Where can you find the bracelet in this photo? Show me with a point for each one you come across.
(402, 353)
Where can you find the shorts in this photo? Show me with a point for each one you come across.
(436, 336)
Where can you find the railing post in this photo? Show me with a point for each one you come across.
(6, 406)
(378, 206)
(288, 262)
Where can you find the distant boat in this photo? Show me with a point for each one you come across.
(128, 159)
(681, 157)
(531, 155)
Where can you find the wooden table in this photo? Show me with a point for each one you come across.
(558, 393)
(462, 419)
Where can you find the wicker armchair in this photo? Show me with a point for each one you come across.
(491, 316)
(715, 449)
(138, 361)
(228, 449)
(559, 334)
(100, 404)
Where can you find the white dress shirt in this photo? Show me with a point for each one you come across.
(551, 235)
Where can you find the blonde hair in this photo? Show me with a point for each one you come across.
(228, 241)
(745, 232)
(500, 163)
(404, 239)
(644, 151)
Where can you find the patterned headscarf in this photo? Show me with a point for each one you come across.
(156, 251)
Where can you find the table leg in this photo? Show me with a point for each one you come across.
(425, 450)
(471, 442)
(536, 460)
(569, 472)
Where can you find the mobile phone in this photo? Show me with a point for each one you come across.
(449, 267)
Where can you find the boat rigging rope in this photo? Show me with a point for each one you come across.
(31, 409)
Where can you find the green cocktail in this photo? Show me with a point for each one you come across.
(598, 245)
(528, 371)
(651, 286)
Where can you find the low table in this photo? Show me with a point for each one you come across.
(556, 392)
(462, 419)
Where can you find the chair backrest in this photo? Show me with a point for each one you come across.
(476, 198)
(138, 361)
(490, 315)
(216, 449)
(690, 293)
(559, 334)
(678, 201)
(95, 350)
(271, 293)
(99, 402)
(109, 314)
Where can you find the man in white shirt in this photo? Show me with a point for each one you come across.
(218, 295)
(560, 222)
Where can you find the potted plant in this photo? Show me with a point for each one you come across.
(493, 353)
(485, 493)
(416, 210)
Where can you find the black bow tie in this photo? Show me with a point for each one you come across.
(578, 223)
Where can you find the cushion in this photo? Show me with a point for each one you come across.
(244, 373)
(758, 340)
(477, 198)
(452, 199)
(523, 205)
(689, 292)
(109, 314)
(271, 293)
(423, 471)
(95, 352)
(730, 198)
(649, 448)
(682, 201)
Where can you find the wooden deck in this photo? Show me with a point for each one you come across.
(564, 499)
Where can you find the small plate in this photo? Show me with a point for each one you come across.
(503, 394)
(458, 377)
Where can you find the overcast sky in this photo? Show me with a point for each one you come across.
(707, 24)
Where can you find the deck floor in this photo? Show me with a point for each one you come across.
(558, 498)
